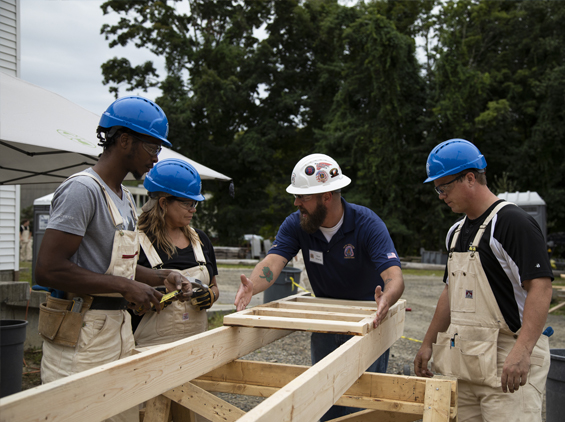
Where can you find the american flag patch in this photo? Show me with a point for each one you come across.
(391, 255)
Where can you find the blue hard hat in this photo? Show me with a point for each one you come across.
(138, 114)
(453, 156)
(175, 177)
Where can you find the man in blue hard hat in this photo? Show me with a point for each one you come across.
(88, 256)
(487, 327)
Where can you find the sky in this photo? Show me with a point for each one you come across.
(62, 50)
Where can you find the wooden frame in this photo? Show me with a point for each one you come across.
(305, 313)
(164, 373)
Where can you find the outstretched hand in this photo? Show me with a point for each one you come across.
(244, 293)
(382, 306)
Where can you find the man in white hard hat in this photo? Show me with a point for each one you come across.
(347, 250)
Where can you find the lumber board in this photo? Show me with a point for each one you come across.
(204, 403)
(338, 302)
(377, 415)
(311, 394)
(436, 402)
(299, 324)
(556, 307)
(107, 390)
(358, 310)
(157, 410)
(328, 317)
(371, 391)
(308, 314)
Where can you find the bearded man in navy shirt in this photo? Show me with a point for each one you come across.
(347, 250)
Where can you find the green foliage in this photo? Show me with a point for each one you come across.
(344, 80)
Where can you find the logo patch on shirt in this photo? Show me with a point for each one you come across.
(185, 316)
(349, 251)
(468, 294)
(391, 255)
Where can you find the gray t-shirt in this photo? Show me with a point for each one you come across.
(79, 207)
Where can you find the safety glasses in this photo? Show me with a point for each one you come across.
(441, 189)
(150, 147)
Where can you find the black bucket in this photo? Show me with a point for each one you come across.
(283, 287)
(555, 387)
(12, 338)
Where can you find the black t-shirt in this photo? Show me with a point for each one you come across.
(184, 258)
(511, 250)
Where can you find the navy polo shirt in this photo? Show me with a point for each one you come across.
(351, 263)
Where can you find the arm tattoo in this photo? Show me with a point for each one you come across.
(388, 280)
(268, 274)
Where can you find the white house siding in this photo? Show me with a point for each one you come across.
(9, 231)
(9, 37)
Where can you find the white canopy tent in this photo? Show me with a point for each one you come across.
(45, 138)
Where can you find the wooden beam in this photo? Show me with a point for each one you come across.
(308, 314)
(322, 307)
(371, 391)
(436, 403)
(157, 410)
(310, 395)
(204, 403)
(298, 313)
(377, 415)
(107, 390)
(556, 307)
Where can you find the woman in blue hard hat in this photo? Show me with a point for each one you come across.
(169, 241)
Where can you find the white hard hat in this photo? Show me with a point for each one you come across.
(316, 173)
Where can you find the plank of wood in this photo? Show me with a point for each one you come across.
(204, 403)
(102, 392)
(371, 390)
(157, 409)
(436, 402)
(310, 395)
(377, 415)
(298, 324)
(556, 307)
(308, 314)
(324, 307)
(338, 302)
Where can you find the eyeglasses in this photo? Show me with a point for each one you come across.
(303, 198)
(187, 205)
(441, 188)
(150, 147)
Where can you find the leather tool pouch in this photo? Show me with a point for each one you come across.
(58, 324)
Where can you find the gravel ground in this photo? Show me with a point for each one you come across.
(421, 295)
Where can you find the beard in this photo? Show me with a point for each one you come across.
(311, 222)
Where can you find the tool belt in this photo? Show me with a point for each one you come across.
(60, 320)
(109, 303)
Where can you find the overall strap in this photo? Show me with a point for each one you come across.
(481, 230)
(116, 216)
(150, 251)
(456, 235)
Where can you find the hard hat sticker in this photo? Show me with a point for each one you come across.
(322, 165)
(293, 178)
(322, 176)
(334, 172)
(309, 170)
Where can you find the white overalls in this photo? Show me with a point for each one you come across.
(478, 341)
(106, 335)
(180, 319)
